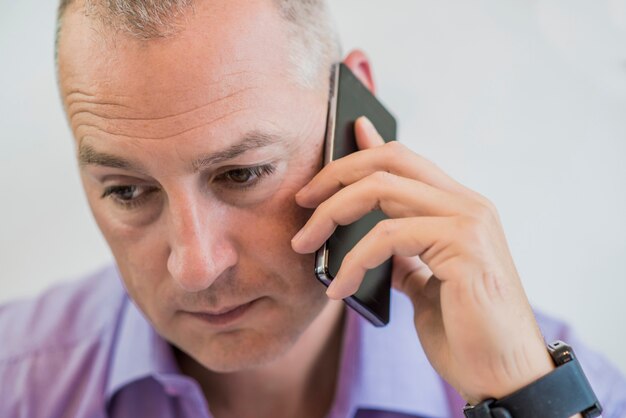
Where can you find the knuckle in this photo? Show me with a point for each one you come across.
(350, 262)
(469, 229)
(323, 207)
(395, 146)
(393, 149)
(324, 210)
(483, 211)
(488, 204)
(384, 229)
(383, 178)
(331, 167)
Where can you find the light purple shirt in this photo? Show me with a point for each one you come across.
(84, 350)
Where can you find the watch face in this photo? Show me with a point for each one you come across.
(563, 392)
(560, 352)
(482, 410)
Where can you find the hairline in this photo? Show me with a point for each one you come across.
(297, 34)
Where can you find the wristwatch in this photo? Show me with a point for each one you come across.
(563, 392)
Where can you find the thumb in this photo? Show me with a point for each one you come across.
(410, 275)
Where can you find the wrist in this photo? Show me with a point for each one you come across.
(563, 392)
(520, 368)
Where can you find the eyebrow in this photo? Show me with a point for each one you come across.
(88, 155)
(252, 140)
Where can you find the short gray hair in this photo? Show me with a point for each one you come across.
(314, 41)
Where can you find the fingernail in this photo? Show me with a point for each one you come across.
(367, 124)
(303, 190)
(301, 196)
(331, 292)
(298, 236)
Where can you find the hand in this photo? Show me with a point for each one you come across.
(450, 257)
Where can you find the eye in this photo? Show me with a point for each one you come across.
(245, 177)
(128, 196)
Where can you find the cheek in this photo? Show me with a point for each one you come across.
(143, 268)
(131, 247)
(275, 225)
(276, 221)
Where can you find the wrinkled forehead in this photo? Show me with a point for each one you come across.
(220, 46)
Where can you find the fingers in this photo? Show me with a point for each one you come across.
(375, 155)
(405, 237)
(397, 197)
(366, 134)
(409, 274)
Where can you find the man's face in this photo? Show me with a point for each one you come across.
(192, 149)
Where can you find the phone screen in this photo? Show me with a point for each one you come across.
(349, 100)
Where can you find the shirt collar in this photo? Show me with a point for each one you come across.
(381, 368)
(387, 368)
(138, 352)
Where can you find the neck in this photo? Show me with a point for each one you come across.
(301, 383)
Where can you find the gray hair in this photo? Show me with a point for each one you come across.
(311, 31)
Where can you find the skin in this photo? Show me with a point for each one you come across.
(191, 234)
(449, 256)
(196, 240)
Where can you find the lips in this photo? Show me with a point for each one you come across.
(223, 310)
(224, 316)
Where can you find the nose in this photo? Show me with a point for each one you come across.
(200, 251)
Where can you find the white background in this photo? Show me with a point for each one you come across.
(523, 101)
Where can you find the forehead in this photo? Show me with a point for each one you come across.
(221, 48)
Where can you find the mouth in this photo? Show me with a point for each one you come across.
(224, 316)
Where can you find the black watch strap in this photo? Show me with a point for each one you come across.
(563, 392)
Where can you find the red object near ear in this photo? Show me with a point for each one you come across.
(360, 65)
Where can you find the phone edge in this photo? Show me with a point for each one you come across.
(322, 272)
(321, 256)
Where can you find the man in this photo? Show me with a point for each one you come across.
(199, 128)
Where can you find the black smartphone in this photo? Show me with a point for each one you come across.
(350, 99)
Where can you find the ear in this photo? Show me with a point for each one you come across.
(361, 67)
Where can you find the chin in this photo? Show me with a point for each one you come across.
(254, 344)
(242, 350)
